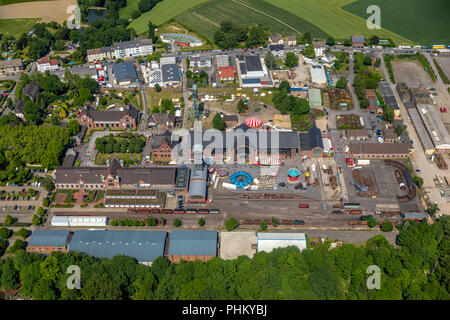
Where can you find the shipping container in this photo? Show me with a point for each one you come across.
(303, 205)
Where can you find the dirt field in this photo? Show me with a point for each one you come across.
(46, 10)
(444, 63)
(411, 73)
(235, 244)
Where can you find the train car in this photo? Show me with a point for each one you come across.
(179, 211)
(214, 211)
(155, 210)
(203, 211)
(191, 211)
(131, 210)
(143, 211)
(166, 211)
(303, 205)
(351, 205)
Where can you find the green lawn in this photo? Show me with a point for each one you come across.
(333, 19)
(102, 157)
(126, 12)
(15, 27)
(162, 12)
(425, 22)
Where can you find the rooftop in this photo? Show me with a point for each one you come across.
(193, 242)
(311, 140)
(170, 72)
(380, 148)
(57, 238)
(124, 71)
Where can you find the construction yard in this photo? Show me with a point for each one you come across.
(411, 73)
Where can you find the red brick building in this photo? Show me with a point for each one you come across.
(162, 146)
(225, 73)
(48, 241)
(127, 117)
(191, 245)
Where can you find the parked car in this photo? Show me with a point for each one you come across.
(298, 222)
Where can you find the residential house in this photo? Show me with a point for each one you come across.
(291, 40)
(357, 41)
(162, 120)
(277, 50)
(162, 146)
(31, 90)
(225, 73)
(275, 39)
(12, 66)
(46, 63)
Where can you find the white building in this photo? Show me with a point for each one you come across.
(141, 46)
(79, 221)
(45, 64)
(318, 74)
(253, 71)
(200, 62)
(267, 241)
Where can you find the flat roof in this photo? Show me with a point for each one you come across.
(422, 132)
(281, 236)
(434, 125)
(379, 148)
(314, 97)
(144, 246)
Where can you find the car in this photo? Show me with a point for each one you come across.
(4, 207)
(15, 207)
(12, 192)
(299, 185)
(8, 198)
(282, 184)
(372, 112)
(373, 127)
(411, 141)
(378, 132)
(297, 222)
(19, 208)
(417, 170)
(29, 207)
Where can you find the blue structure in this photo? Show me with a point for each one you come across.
(329, 79)
(363, 189)
(241, 179)
(299, 89)
(196, 244)
(50, 238)
(144, 246)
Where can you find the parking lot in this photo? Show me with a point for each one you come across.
(20, 200)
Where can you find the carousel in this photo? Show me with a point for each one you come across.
(293, 175)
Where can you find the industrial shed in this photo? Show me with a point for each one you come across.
(144, 246)
(269, 241)
(79, 221)
(190, 245)
(48, 241)
(197, 185)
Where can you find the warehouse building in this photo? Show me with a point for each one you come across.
(434, 127)
(268, 241)
(388, 97)
(144, 246)
(380, 150)
(79, 221)
(253, 71)
(197, 185)
(311, 143)
(191, 245)
(123, 118)
(48, 241)
(124, 73)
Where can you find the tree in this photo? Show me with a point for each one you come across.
(387, 226)
(241, 106)
(201, 222)
(151, 221)
(231, 224)
(8, 220)
(177, 223)
(330, 41)
(263, 226)
(157, 88)
(375, 40)
(399, 129)
(45, 202)
(36, 220)
(274, 221)
(291, 60)
(348, 43)
(101, 287)
(309, 52)
(22, 232)
(433, 209)
(73, 127)
(372, 222)
(284, 85)
(48, 184)
(307, 38)
(218, 122)
(18, 245)
(5, 233)
(270, 60)
(342, 83)
(418, 181)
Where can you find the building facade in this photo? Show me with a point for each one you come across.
(12, 66)
(126, 118)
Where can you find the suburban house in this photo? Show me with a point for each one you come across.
(48, 241)
(12, 66)
(18, 109)
(161, 120)
(162, 146)
(45, 64)
(124, 73)
(191, 245)
(380, 150)
(125, 118)
(357, 41)
(140, 46)
(291, 40)
(275, 39)
(311, 143)
(225, 73)
(388, 97)
(277, 50)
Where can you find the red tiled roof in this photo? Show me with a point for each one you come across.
(226, 72)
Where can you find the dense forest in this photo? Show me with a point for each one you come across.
(416, 269)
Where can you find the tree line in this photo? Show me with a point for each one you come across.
(416, 269)
(232, 36)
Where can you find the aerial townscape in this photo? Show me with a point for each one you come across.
(224, 150)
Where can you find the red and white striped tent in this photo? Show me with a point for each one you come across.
(253, 122)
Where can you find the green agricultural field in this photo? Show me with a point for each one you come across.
(15, 27)
(424, 22)
(333, 19)
(5, 2)
(205, 19)
(163, 12)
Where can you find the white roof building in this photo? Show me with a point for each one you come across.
(268, 241)
(79, 221)
(318, 74)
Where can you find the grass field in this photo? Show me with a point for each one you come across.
(126, 12)
(15, 27)
(5, 2)
(334, 20)
(206, 18)
(162, 12)
(425, 22)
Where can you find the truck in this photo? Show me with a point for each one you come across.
(303, 205)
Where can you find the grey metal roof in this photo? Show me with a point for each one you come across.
(144, 246)
(253, 63)
(276, 47)
(388, 95)
(311, 140)
(49, 238)
(193, 242)
(170, 72)
(197, 183)
(124, 71)
(415, 215)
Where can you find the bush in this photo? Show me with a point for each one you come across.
(177, 222)
(231, 224)
(263, 226)
(201, 222)
(387, 226)
(8, 220)
(151, 221)
(372, 222)
(5, 233)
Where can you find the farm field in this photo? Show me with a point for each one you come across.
(425, 22)
(15, 27)
(162, 12)
(126, 12)
(38, 9)
(333, 19)
(206, 18)
(5, 2)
